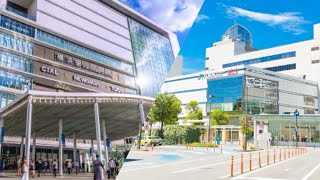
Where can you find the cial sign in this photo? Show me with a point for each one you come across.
(48, 70)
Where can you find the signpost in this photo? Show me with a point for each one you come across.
(296, 114)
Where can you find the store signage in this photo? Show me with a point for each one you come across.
(218, 74)
(78, 63)
(86, 81)
(48, 70)
(115, 89)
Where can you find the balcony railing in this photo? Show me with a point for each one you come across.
(20, 13)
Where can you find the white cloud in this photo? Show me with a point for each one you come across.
(288, 21)
(175, 15)
(201, 18)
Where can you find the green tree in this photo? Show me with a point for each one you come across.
(218, 117)
(165, 110)
(243, 127)
(194, 111)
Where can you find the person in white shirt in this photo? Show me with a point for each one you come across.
(54, 168)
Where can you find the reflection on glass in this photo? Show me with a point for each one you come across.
(14, 43)
(15, 81)
(153, 56)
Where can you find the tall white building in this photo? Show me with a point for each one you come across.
(301, 59)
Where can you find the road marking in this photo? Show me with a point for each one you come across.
(199, 167)
(194, 152)
(311, 172)
(259, 178)
(262, 168)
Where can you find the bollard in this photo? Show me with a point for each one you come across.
(231, 168)
(152, 147)
(221, 149)
(191, 146)
(214, 148)
(241, 164)
(285, 153)
(292, 152)
(146, 146)
(267, 157)
(187, 146)
(259, 160)
(280, 155)
(314, 147)
(289, 153)
(207, 147)
(250, 162)
(274, 156)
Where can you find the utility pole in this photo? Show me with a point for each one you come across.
(296, 114)
(246, 123)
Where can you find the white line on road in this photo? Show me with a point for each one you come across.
(262, 168)
(311, 172)
(199, 167)
(194, 152)
(259, 178)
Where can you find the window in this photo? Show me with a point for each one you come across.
(282, 68)
(207, 58)
(262, 59)
(315, 61)
(17, 26)
(314, 48)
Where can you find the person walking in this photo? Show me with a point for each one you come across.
(19, 167)
(77, 164)
(69, 166)
(39, 167)
(54, 168)
(31, 165)
(24, 170)
(112, 165)
(98, 169)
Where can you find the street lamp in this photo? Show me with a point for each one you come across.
(208, 131)
(296, 114)
(246, 123)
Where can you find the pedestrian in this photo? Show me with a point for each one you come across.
(117, 167)
(98, 169)
(19, 167)
(54, 168)
(24, 170)
(77, 164)
(39, 167)
(112, 165)
(31, 165)
(69, 166)
(83, 167)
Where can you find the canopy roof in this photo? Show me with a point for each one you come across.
(121, 112)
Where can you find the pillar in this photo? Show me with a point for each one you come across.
(1, 129)
(231, 136)
(34, 147)
(223, 136)
(98, 135)
(74, 147)
(92, 149)
(28, 133)
(106, 154)
(142, 119)
(21, 147)
(60, 149)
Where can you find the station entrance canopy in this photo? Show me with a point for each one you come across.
(121, 113)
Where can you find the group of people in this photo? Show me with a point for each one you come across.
(41, 166)
(112, 171)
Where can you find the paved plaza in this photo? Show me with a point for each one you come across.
(175, 162)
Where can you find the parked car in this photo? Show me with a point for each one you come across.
(148, 140)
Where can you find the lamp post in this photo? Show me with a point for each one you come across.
(296, 114)
(208, 131)
(246, 123)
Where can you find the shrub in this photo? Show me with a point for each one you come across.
(175, 134)
(203, 144)
(253, 147)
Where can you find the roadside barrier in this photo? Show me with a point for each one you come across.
(241, 164)
(231, 167)
(250, 162)
(152, 147)
(282, 154)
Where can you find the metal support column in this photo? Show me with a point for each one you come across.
(106, 154)
(60, 149)
(28, 133)
(255, 132)
(34, 147)
(208, 130)
(21, 148)
(1, 129)
(98, 134)
(142, 119)
(74, 148)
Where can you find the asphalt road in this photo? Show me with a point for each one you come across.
(172, 162)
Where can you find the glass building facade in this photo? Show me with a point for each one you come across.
(6, 98)
(237, 93)
(17, 26)
(262, 59)
(153, 57)
(15, 81)
(225, 94)
(15, 62)
(282, 68)
(17, 44)
(83, 51)
(238, 33)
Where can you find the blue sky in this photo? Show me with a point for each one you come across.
(271, 22)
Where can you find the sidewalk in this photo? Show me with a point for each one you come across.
(49, 176)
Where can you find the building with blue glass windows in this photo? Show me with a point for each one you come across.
(99, 46)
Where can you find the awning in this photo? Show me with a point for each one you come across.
(120, 111)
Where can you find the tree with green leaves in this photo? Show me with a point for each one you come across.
(165, 110)
(246, 129)
(218, 117)
(194, 111)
